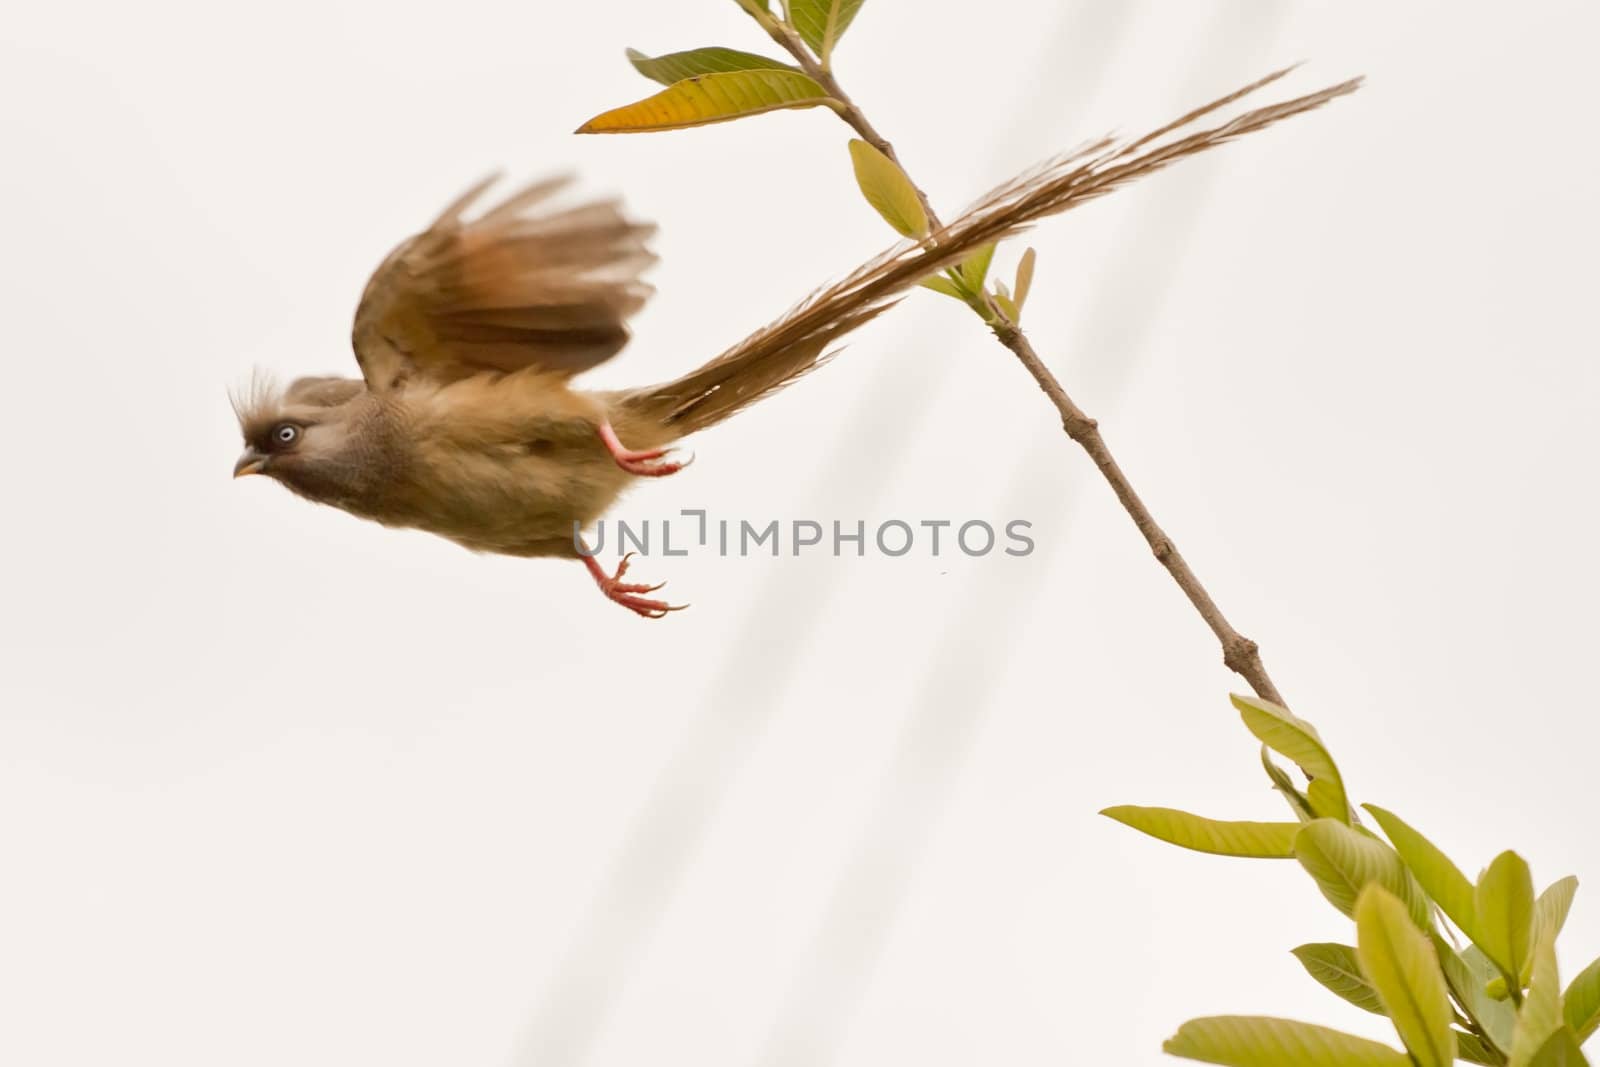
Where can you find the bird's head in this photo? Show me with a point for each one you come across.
(272, 444)
(300, 436)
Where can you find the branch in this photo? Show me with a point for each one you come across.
(1239, 653)
(842, 105)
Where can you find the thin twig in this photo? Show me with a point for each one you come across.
(1239, 653)
(843, 106)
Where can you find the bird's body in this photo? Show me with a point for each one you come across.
(505, 463)
(465, 422)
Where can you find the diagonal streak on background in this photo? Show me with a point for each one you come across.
(950, 701)
(738, 704)
(657, 850)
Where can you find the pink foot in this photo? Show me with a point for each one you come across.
(626, 593)
(639, 462)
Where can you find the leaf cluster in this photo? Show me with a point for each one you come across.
(1464, 969)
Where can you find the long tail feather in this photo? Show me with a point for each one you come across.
(798, 342)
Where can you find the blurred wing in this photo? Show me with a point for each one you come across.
(521, 285)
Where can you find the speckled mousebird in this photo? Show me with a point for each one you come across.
(466, 422)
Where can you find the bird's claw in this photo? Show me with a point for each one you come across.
(646, 469)
(640, 461)
(629, 594)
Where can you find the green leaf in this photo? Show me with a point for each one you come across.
(1469, 974)
(940, 284)
(888, 190)
(1503, 903)
(1297, 740)
(1283, 784)
(1474, 1049)
(1560, 1051)
(1343, 862)
(975, 268)
(1550, 910)
(753, 6)
(1550, 915)
(1540, 1015)
(1024, 281)
(676, 66)
(1326, 798)
(1336, 967)
(1260, 840)
(1398, 961)
(1582, 1002)
(820, 23)
(1442, 880)
(709, 98)
(1258, 1041)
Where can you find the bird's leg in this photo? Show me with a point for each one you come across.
(639, 462)
(628, 594)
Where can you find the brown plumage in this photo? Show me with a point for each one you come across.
(465, 422)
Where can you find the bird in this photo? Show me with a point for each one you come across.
(466, 421)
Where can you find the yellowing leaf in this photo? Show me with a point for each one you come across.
(676, 66)
(1503, 901)
(1024, 280)
(709, 98)
(1337, 968)
(1260, 840)
(1398, 961)
(1443, 881)
(820, 23)
(1258, 1041)
(1343, 862)
(1296, 739)
(888, 190)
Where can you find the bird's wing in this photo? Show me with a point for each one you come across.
(523, 284)
(322, 392)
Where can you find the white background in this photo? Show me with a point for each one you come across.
(277, 786)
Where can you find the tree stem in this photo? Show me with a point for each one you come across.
(1239, 653)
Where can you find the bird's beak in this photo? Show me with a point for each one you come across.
(251, 462)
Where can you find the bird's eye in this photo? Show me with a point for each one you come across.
(285, 434)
